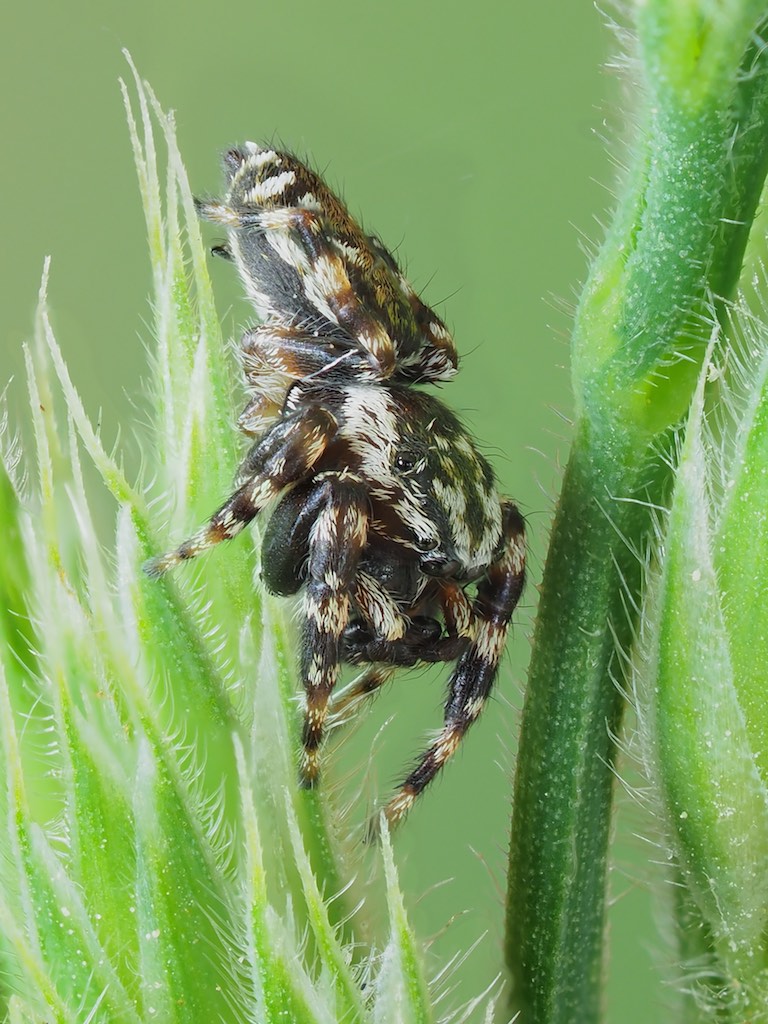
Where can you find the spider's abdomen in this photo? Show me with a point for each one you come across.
(308, 265)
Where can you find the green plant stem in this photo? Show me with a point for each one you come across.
(564, 782)
(669, 265)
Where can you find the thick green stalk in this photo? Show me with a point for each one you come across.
(640, 337)
(572, 712)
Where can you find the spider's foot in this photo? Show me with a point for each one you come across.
(309, 769)
(394, 812)
(191, 548)
(219, 213)
(157, 567)
(425, 771)
(399, 806)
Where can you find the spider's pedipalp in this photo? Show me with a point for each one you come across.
(285, 455)
(422, 641)
(378, 608)
(457, 610)
(472, 679)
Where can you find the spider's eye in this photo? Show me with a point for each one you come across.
(404, 462)
(429, 544)
(409, 455)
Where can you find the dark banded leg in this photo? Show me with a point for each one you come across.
(336, 542)
(295, 354)
(472, 679)
(286, 454)
(367, 684)
(274, 356)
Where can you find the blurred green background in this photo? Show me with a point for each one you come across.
(470, 138)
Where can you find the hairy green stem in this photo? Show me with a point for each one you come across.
(564, 781)
(676, 247)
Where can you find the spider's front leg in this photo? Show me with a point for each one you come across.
(472, 679)
(286, 454)
(336, 542)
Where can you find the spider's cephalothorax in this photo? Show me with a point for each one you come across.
(384, 514)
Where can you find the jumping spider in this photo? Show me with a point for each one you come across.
(384, 511)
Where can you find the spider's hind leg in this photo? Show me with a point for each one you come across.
(276, 355)
(296, 354)
(472, 679)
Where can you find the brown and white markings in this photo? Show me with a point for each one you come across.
(385, 515)
(330, 296)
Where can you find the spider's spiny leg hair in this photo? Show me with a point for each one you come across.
(472, 679)
(336, 542)
(366, 684)
(282, 457)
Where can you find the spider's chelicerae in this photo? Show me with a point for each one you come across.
(384, 513)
